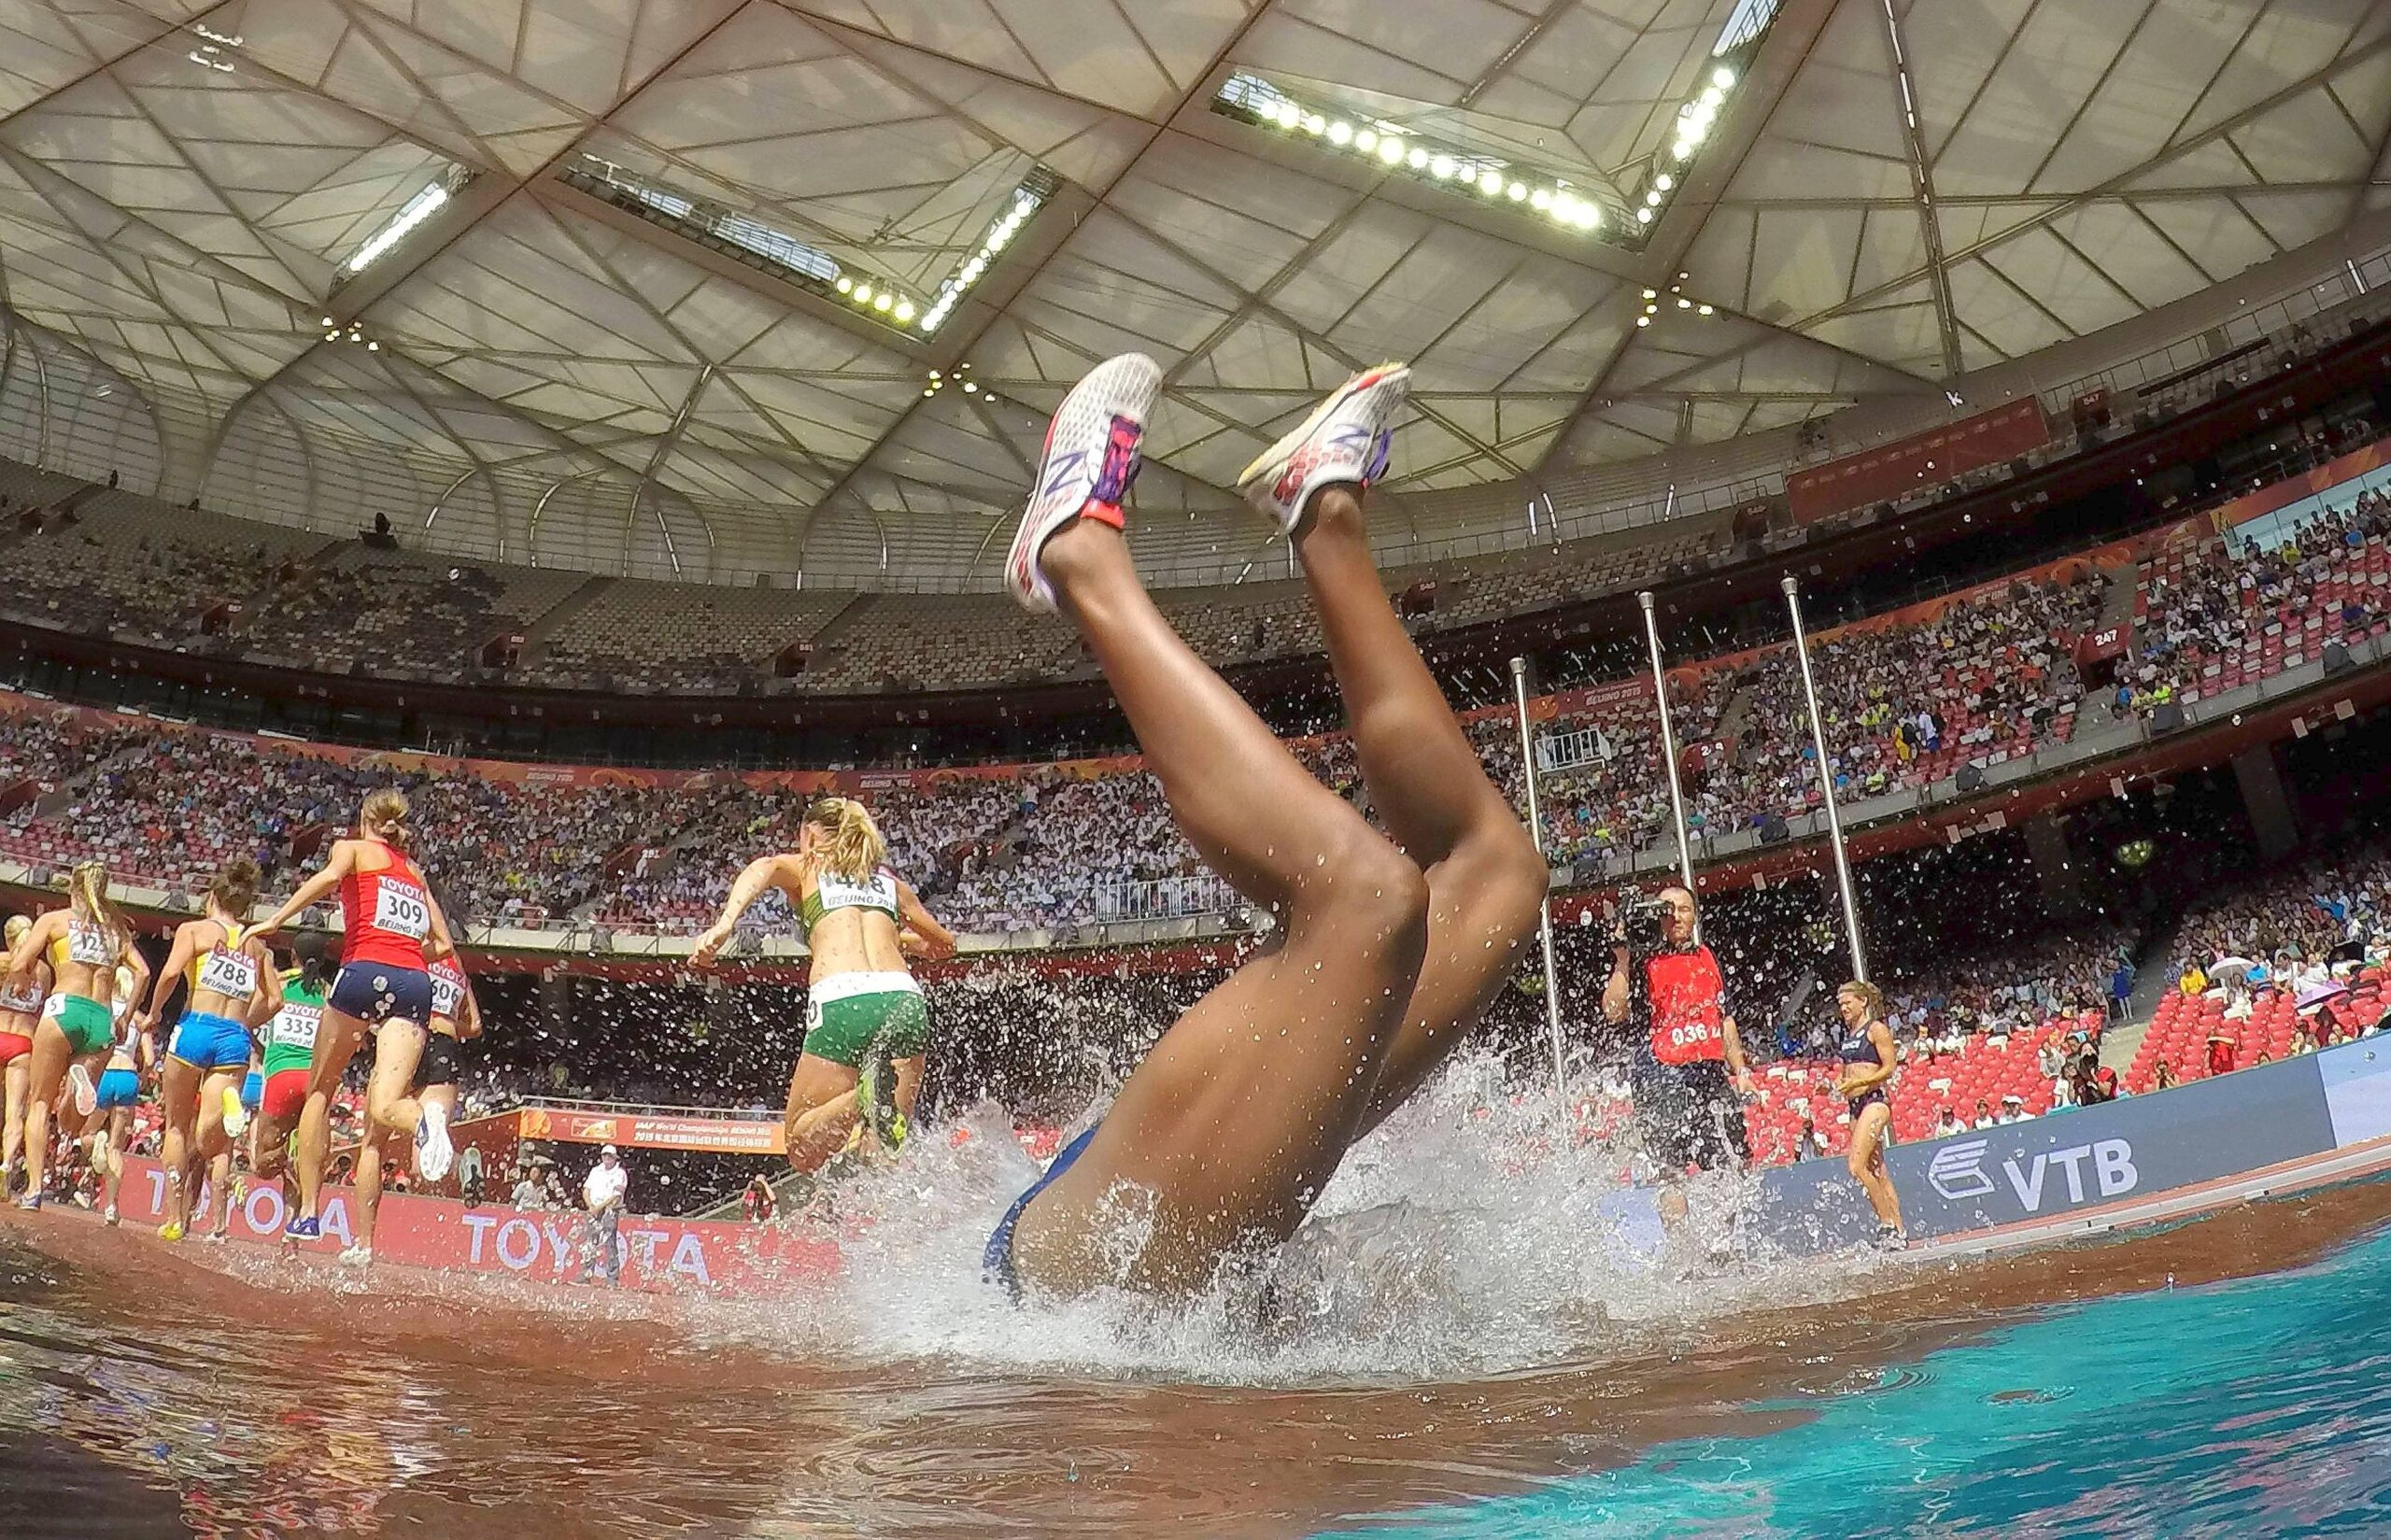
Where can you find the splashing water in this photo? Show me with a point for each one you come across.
(1467, 1236)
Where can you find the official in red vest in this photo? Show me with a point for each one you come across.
(1687, 1073)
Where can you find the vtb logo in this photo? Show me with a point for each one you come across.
(1957, 1172)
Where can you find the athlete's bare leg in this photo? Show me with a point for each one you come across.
(1227, 1133)
(1486, 882)
(821, 1111)
(14, 1081)
(337, 1040)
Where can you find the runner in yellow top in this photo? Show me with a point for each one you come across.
(228, 975)
(867, 1028)
(84, 941)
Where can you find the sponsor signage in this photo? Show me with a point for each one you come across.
(1898, 468)
(2049, 1166)
(644, 1130)
(553, 1246)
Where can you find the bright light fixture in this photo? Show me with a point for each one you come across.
(1644, 215)
(1665, 181)
(1723, 77)
(1441, 167)
(1390, 149)
(1340, 132)
(411, 214)
(846, 284)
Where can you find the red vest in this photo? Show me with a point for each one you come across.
(1688, 1015)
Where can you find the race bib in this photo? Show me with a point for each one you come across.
(294, 1026)
(88, 945)
(836, 891)
(401, 909)
(229, 973)
(447, 994)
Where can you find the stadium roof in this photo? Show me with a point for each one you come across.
(581, 283)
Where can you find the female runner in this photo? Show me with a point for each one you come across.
(131, 1058)
(1868, 1060)
(226, 969)
(454, 1017)
(392, 925)
(84, 942)
(21, 998)
(288, 1044)
(867, 1025)
(1385, 953)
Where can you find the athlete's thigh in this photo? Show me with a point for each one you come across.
(338, 1036)
(1224, 1136)
(817, 1080)
(398, 1051)
(1478, 924)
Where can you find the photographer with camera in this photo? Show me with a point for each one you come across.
(1686, 1069)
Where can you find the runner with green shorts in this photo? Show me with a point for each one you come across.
(867, 1029)
(84, 943)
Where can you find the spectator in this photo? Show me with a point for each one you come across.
(601, 1194)
(758, 1203)
(469, 1175)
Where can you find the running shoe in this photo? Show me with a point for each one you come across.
(237, 1117)
(109, 1217)
(877, 1095)
(87, 1095)
(303, 1228)
(1890, 1238)
(1345, 439)
(216, 1237)
(434, 1154)
(1090, 462)
(30, 1202)
(357, 1256)
(171, 1230)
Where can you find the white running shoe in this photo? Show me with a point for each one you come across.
(358, 1256)
(434, 1154)
(1345, 439)
(1090, 461)
(87, 1095)
(111, 1216)
(237, 1117)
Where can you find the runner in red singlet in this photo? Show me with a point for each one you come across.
(394, 925)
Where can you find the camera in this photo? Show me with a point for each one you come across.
(1643, 922)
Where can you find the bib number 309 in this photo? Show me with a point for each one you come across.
(402, 911)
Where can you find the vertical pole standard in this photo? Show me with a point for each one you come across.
(1544, 910)
(1826, 782)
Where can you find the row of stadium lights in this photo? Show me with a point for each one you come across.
(1652, 298)
(1695, 119)
(1397, 150)
(885, 302)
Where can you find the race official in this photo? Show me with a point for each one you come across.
(1685, 1071)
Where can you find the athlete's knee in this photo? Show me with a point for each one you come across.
(1378, 887)
(1505, 873)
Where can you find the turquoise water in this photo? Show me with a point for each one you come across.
(2260, 1408)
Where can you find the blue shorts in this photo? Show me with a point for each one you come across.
(252, 1091)
(211, 1042)
(119, 1088)
(375, 992)
(995, 1264)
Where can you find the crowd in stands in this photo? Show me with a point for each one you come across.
(2228, 611)
(1908, 700)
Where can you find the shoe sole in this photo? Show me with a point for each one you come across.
(1124, 387)
(1280, 452)
(87, 1095)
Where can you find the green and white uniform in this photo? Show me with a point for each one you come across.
(291, 1036)
(850, 1016)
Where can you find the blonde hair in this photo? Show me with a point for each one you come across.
(18, 925)
(1870, 995)
(851, 845)
(384, 816)
(87, 895)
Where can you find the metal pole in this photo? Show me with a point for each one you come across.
(1826, 782)
(1668, 740)
(1544, 907)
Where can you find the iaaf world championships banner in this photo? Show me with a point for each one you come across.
(640, 1131)
(551, 1247)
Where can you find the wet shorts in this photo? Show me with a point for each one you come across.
(14, 1046)
(119, 1088)
(285, 1094)
(86, 1021)
(439, 1064)
(996, 1264)
(252, 1090)
(1688, 1117)
(206, 1041)
(375, 992)
(845, 1024)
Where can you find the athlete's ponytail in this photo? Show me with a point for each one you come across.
(850, 843)
(236, 888)
(313, 948)
(384, 816)
(18, 925)
(87, 893)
